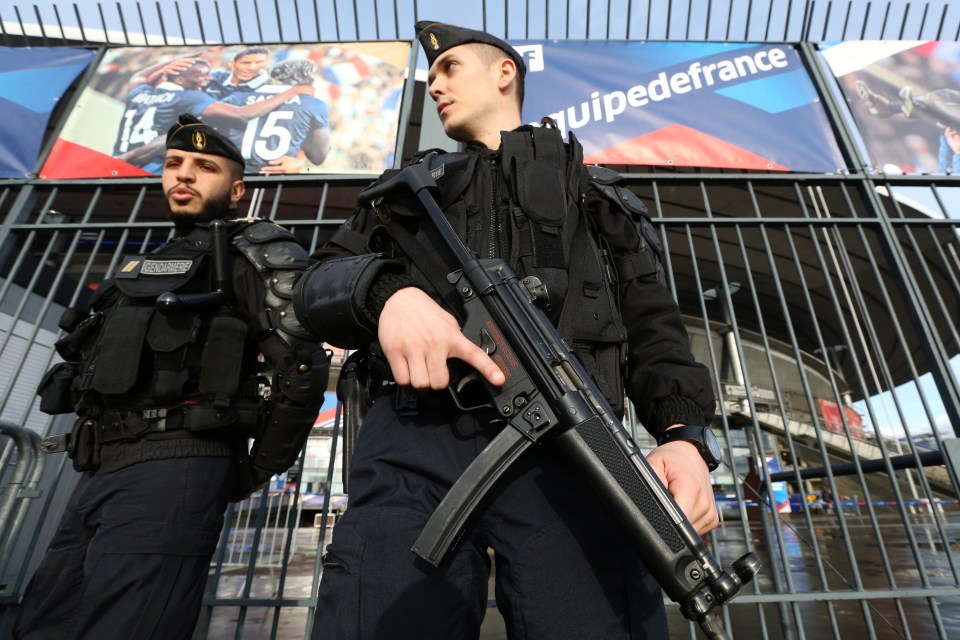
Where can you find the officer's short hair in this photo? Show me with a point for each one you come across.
(490, 55)
(295, 71)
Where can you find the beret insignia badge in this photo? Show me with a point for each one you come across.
(199, 140)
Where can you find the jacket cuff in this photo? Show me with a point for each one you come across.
(380, 290)
(670, 411)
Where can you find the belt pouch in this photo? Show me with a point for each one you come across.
(84, 446)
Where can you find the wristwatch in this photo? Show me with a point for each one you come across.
(701, 437)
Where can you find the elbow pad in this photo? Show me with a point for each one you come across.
(330, 299)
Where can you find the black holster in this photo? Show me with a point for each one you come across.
(355, 391)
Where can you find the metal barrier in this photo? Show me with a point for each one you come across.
(15, 494)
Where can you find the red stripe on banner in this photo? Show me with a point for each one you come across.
(325, 417)
(68, 160)
(679, 146)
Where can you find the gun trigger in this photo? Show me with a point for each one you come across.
(466, 381)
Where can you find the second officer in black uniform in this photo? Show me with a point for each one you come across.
(522, 194)
(169, 395)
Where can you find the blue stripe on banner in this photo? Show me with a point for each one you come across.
(773, 94)
(32, 81)
(38, 89)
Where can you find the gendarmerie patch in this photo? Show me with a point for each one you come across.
(138, 266)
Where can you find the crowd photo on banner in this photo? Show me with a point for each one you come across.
(330, 108)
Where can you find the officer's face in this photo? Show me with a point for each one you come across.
(247, 67)
(199, 186)
(467, 92)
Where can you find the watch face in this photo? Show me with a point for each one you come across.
(712, 444)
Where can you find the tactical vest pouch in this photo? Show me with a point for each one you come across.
(535, 163)
(649, 259)
(118, 362)
(71, 347)
(169, 337)
(597, 333)
(70, 318)
(56, 388)
(167, 333)
(540, 191)
(222, 360)
(605, 362)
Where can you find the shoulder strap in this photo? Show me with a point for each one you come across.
(417, 246)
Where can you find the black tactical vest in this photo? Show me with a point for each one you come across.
(143, 358)
(552, 237)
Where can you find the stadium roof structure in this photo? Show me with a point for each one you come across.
(146, 22)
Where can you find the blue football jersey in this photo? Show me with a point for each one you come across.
(280, 132)
(151, 110)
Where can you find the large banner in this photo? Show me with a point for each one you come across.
(905, 100)
(741, 106)
(31, 83)
(306, 108)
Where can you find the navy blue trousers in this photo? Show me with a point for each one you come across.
(130, 557)
(562, 570)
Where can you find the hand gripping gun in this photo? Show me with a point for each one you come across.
(549, 398)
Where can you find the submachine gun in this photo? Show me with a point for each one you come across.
(549, 397)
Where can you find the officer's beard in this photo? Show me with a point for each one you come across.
(214, 208)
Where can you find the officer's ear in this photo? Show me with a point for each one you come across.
(237, 189)
(508, 73)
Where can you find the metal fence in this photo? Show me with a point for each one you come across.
(800, 293)
(136, 22)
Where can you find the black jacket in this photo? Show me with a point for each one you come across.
(663, 381)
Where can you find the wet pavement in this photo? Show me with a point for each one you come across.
(899, 571)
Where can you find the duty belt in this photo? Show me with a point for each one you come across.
(133, 425)
(237, 421)
(151, 424)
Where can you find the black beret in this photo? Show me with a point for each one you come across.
(437, 37)
(189, 134)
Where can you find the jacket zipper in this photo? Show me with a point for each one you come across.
(495, 222)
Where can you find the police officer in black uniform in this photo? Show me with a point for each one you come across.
(520, 193)
(166, 377)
